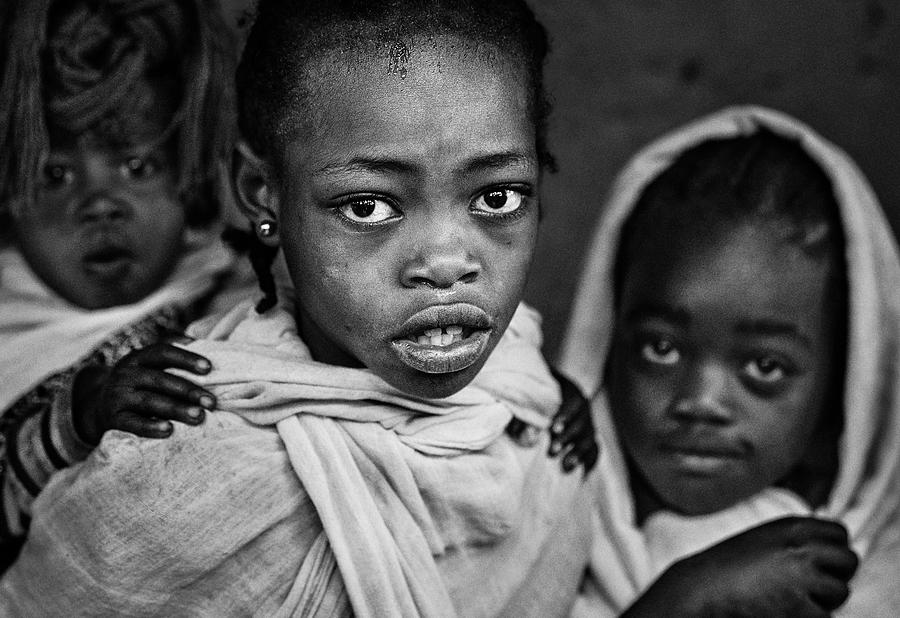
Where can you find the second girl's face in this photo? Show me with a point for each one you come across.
(408, 215)
(722, 359)
(106, 226)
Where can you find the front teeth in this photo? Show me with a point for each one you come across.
(440, 336)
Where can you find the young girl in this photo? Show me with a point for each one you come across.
(116, 117)
(358, 461)
(739, 323)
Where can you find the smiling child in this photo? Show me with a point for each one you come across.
(737, 377)
(358, 460)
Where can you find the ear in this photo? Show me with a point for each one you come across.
(253, 183)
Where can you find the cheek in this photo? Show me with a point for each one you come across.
(638, 401)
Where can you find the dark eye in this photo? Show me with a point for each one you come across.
(660, 351)
(368, 210)
(139, 167)
(765, 369)
(57, 176)
(499, 201)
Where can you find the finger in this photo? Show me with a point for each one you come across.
(577, 429)
(514, 428)
(162, 407)
(837, 561)
(140, 380)
(590, 459)
(802, 530)
(167, 356)
(829, 593)
(144, 427)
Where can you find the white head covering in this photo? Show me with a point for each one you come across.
(866, 493)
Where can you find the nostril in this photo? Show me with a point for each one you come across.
(422, 282)
(469, 277)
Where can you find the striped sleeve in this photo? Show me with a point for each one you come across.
(37, 447)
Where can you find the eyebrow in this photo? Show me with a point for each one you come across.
(646, 311)
(385, 165)
(496, 161)
(772, 328)
(377, 165)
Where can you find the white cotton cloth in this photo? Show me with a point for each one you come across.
(866, 493)
(42, 334)
(316, 489)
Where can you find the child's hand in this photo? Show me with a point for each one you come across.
(138, 396)
(572, 430)
(793, 567)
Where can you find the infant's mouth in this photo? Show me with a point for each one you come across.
(443, 338)
(110, 262)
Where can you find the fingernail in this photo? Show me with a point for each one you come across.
(207, 402)
(555, 447)
(204, 365)
(195, 413)
(558, 426)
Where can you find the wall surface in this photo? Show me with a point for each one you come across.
(624, 71)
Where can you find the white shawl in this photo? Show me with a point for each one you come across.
(866, 493)
(42, 334)
(316, 487)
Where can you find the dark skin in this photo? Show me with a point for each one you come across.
(139, 396)
(796, 567)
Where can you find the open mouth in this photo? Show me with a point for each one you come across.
(443, 338)
(108, 262)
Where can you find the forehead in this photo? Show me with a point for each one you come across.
(440, 94)
(747, 271)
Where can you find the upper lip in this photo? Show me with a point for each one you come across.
(709, 447)
(461, 314)
(107, 253)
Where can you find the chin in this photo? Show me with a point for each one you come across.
(435, 385)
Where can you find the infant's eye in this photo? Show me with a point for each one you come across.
(765, 369)
(57, 176)
(661, 351)
(499, 201)
(368, 210)
(139, 167)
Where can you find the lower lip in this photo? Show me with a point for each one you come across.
(702, 463)
(108, 269)
(442, 359)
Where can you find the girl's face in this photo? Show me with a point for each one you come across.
(408, 215)
(106, 227)
(721, 362)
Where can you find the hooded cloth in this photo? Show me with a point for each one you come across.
(866, 493)
(316, 489)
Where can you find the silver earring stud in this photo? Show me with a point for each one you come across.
(266, 228)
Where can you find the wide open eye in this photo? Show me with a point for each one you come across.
(368, 211)
(499, 202)
(660, 351)
(57, 175)
(139, 167)
(765, 369)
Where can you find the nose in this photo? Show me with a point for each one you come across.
(702, 396)
(441, 258)
(100, 207)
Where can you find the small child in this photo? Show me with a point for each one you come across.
(116, 117)
(358, 460)
(740, 260)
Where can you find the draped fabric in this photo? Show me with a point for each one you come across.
(41, 334)
(866, 493)
(316, 489)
